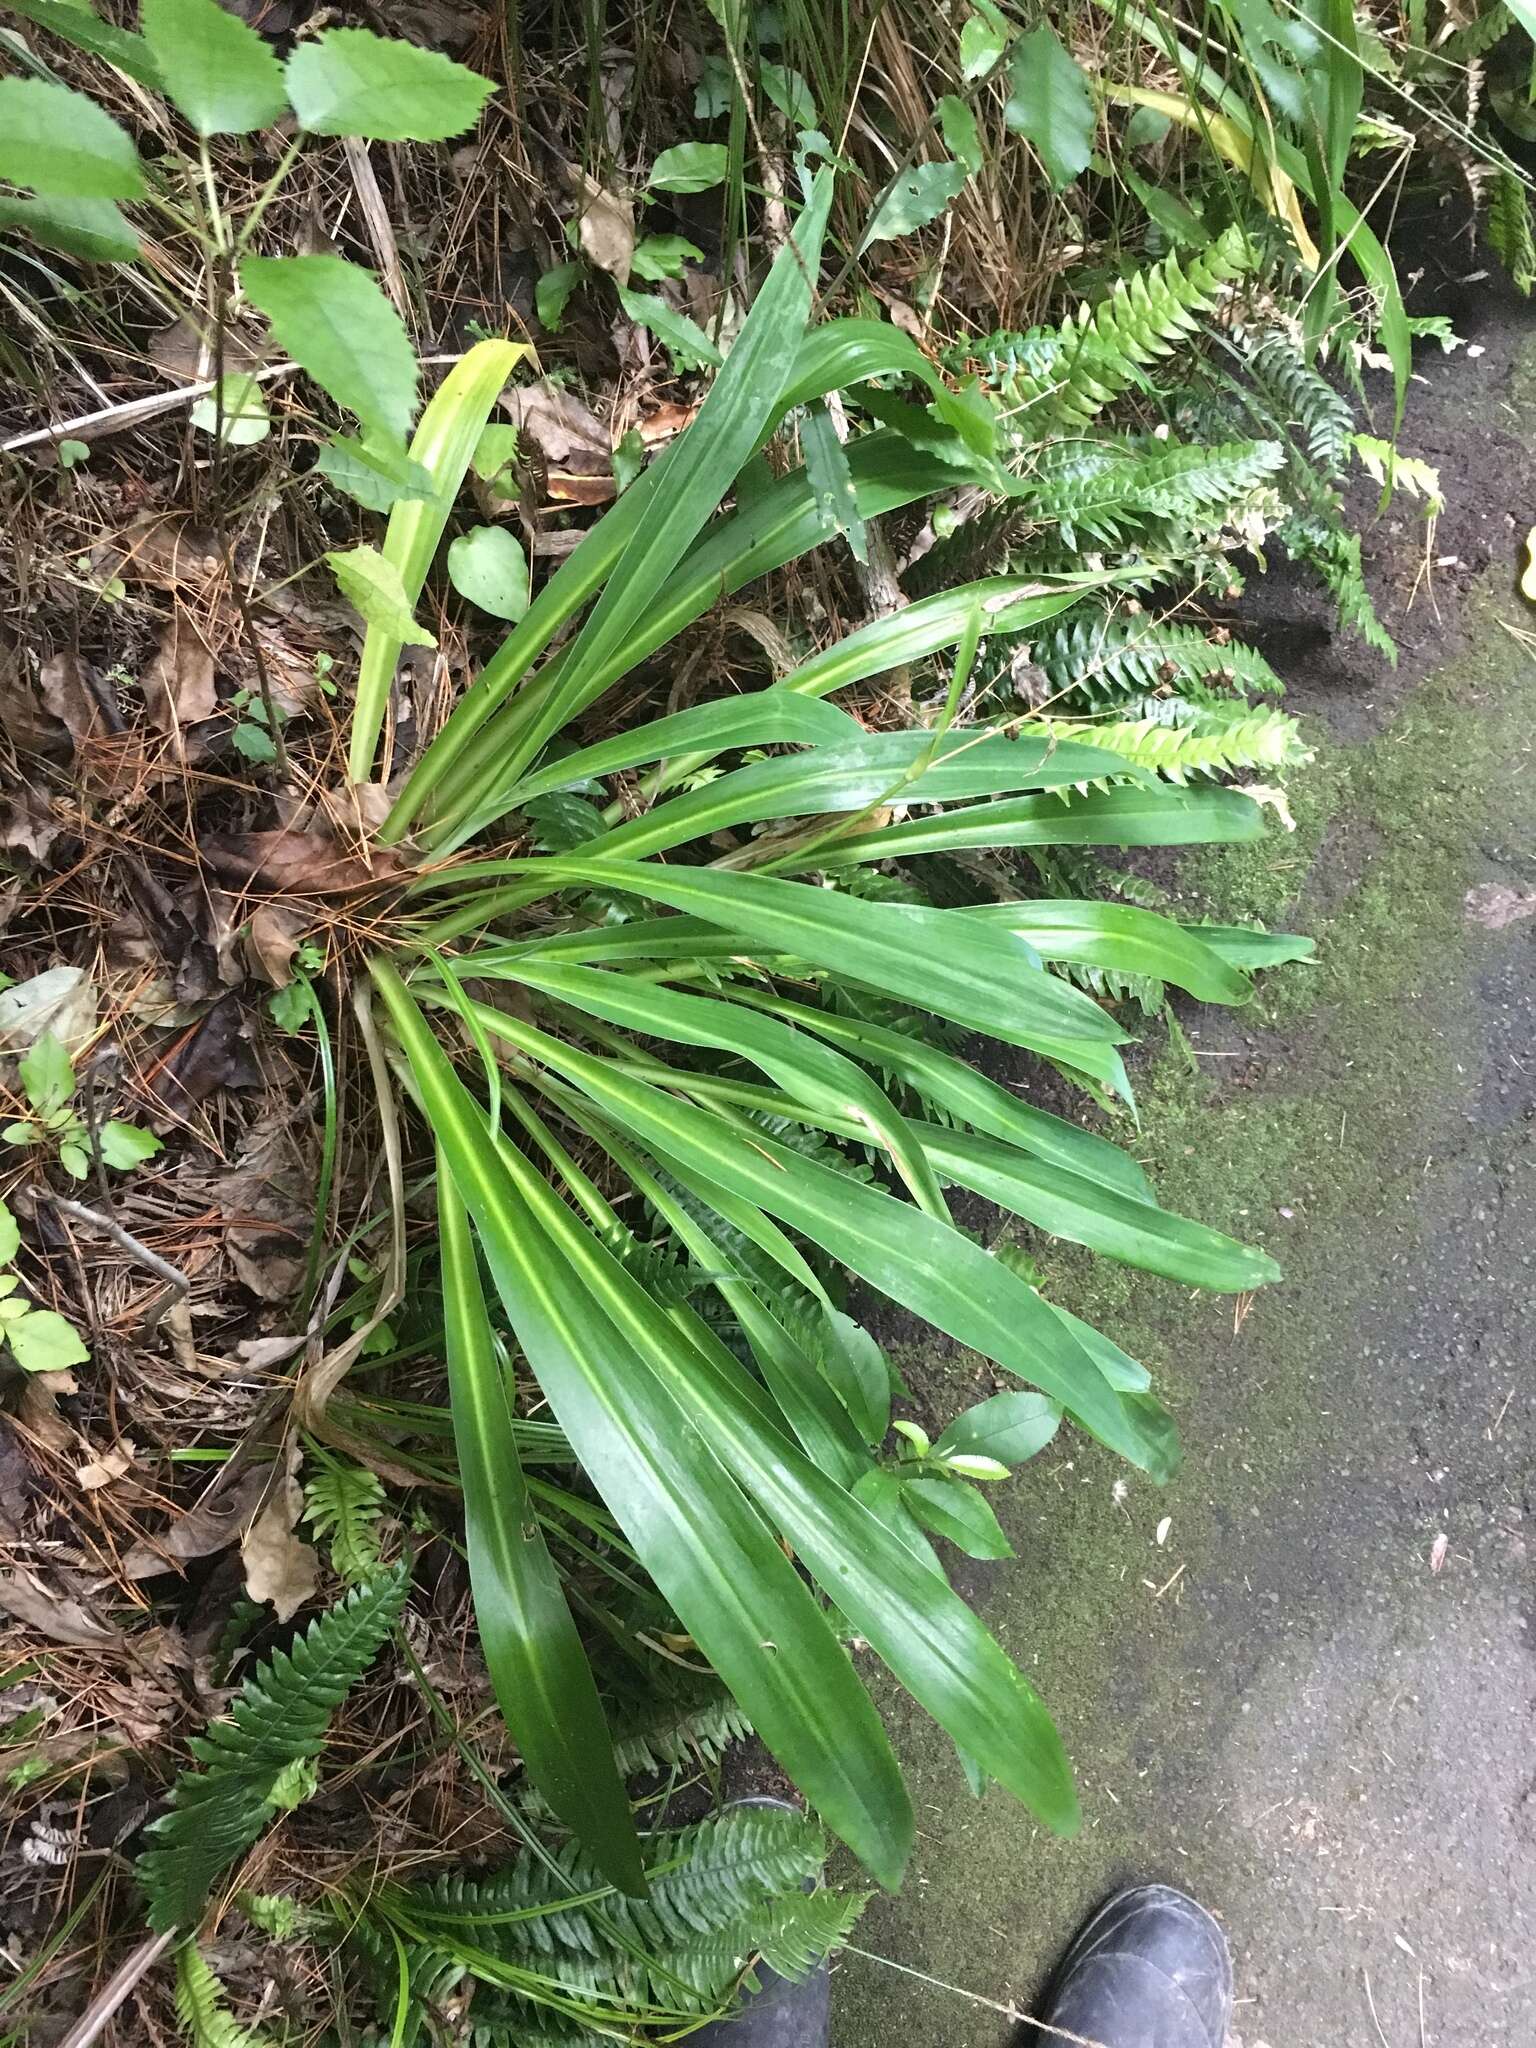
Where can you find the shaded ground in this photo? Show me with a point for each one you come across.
(1314, 1703)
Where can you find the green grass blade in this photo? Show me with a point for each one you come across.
(933, 959)
(537, 1665)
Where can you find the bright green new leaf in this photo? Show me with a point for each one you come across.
(962, 138)
(983, 39)
(683, 338)
(1008, 1427)
(219, 72)
(953, 1509)
(92, 228)
(659, 256)
(125, 1145)
(47, 1074)
(789, 93)
(689, 167)
(61, 144)
(235, 410)
(537, 1666)
(332, 317)
(371, 585)
(377, 474)
(349, 81)
(495, 453)
(918, 196)
(552, 292)
(41, 1341)
(10, 1236)
(487, 565)
(1050, 104)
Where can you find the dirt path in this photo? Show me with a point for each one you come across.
(1314, 1703)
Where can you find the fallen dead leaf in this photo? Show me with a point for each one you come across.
(212, 1055)
(67, 696)
(112, 1464)
(37, 1410)
(564, 488)
(169, 552)
(566, 433)
(605, 225)
(27, 826)
(49, 1610)
(60, 999)
(204, 1530)
(271, 939)
(301, 863)
(280, 1567)
(178, 683)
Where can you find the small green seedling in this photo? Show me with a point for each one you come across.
(47, 1076)
(37, 1339)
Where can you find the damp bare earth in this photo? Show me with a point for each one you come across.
(1313, 1701)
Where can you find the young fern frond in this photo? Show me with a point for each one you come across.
(1509, 229)
(1207, 745)
(1181, 486)
(206, 2020)
(1334, 553)
(1066, 378)
(278, 1721)
(342, 1504)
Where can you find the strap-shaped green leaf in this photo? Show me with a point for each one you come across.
(1121, 936)
(1086, 1212)
(1149, 814)
(856, 775)
(542, 1680)
(928, 1266)
(969, 1095)
(937, 960)
(707, 1549)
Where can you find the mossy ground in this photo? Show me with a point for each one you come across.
(1364, 1119)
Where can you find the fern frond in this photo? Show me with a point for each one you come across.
(205, 2018)
(1301, 399)
(342, 1504)
(1334, 553)
(1071, 375)
(1208, 745)
(1096, 659)
(1509, 231)
(791, 1934)
(1186, 484)
(279, 1718)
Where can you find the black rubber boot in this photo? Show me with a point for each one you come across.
(1150, 1970)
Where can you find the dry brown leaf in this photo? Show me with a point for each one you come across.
(112, 1464)
(272, 939)
(563, 488)
(566, 433)
(605, 225)
(68, 696)
(27, 826)
(301, 863)
(37, 1410)
(279, 1566)
(212, 1525)
(167, 551)
(178, 683)
(50, 1611)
